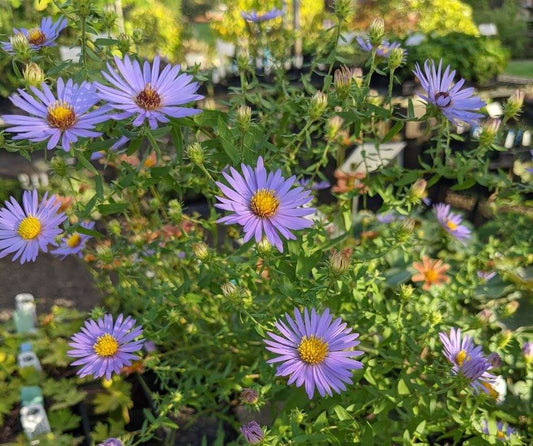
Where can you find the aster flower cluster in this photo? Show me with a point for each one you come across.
(36, 38)
(384, 49)
(467, 360)
(148, 95)
(255, 17)
(25, 230)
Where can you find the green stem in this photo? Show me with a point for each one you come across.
(83, 55)
(334, 51)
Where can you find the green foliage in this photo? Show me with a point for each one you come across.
(477, 59)
(207, 300)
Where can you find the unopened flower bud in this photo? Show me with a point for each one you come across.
(20, 45)
(504, 337)
(109, 17)
(124, 43)
(485, 315)
(513, 106)
(510, 308)
(114, 227)
(342, 9)
(297, 416)
(339, 262)
(33, 75)
(264, 247)
(244, 117)
(344, 77)
(333, 126)
(396, 58)
(59, 166)
(230, 291)
(84, 7)
(495, 360)
(406, 291)
(527, 352)
(376, 31)
(318, 104)
(435, 317)
(243, 60)
(405, 229)
(489, 130)
(249, 396)
(105, 254)
(175, 211)
(201, 251)
(418, 189)
(195, 152)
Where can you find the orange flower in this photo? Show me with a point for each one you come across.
(64, 203)
(431, 272)
(347, 182)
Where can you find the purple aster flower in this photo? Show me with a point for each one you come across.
(527, 351)
(503, 430)
(43, 35)
(66, 118)
(252, 432)
(316, 351)
(467, 360)
(252, 16)
(306, 183)
(73, 243)
(117, 145)
(485, 276)
(104, 347)
(24, 230)
(264, 203)
(112, 442)
(382, 50)
(150, 95)
(451, 222)
(454, 103)
(388, 217)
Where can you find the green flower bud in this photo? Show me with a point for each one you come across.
(396, 58)
(114, 227)
(97, 313)
(243, 60)
(339, 262)
(201, 251)
(513, 106)
(21, 45)
(489, 130)
(105, 254)
(406, 291)
(318, 104)
(231, 291)
(297, 416)
(264, 248)
(59, 166)
(418, 190)
(342, 9)
(124, 43)
(33, 75)
(504, 337)
(510, 308)
(155, 204)
(376, 31)
(244, 117)
(435, 317)
(175, 211)
(333, 126)
(405, 229)
(249, 396)
(195, 152)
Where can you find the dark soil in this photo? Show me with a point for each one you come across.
(51, 281)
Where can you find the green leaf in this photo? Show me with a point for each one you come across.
(393, 131)
(113, 208)
(227, 141)
(86, 163)
(63, 420)
(341, 413)
(402, 387)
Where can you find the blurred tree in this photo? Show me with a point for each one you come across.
(508, 16)
(440, 16)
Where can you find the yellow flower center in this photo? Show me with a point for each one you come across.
(312, 350)
(74, 240)
(451, 225)
(106, 345)
(500, 435)
(461, 356)
(29, 228)
(36, 36)
(431, 275)
(264, 203)
(492, 392)
(148, 99)
(61, 115)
